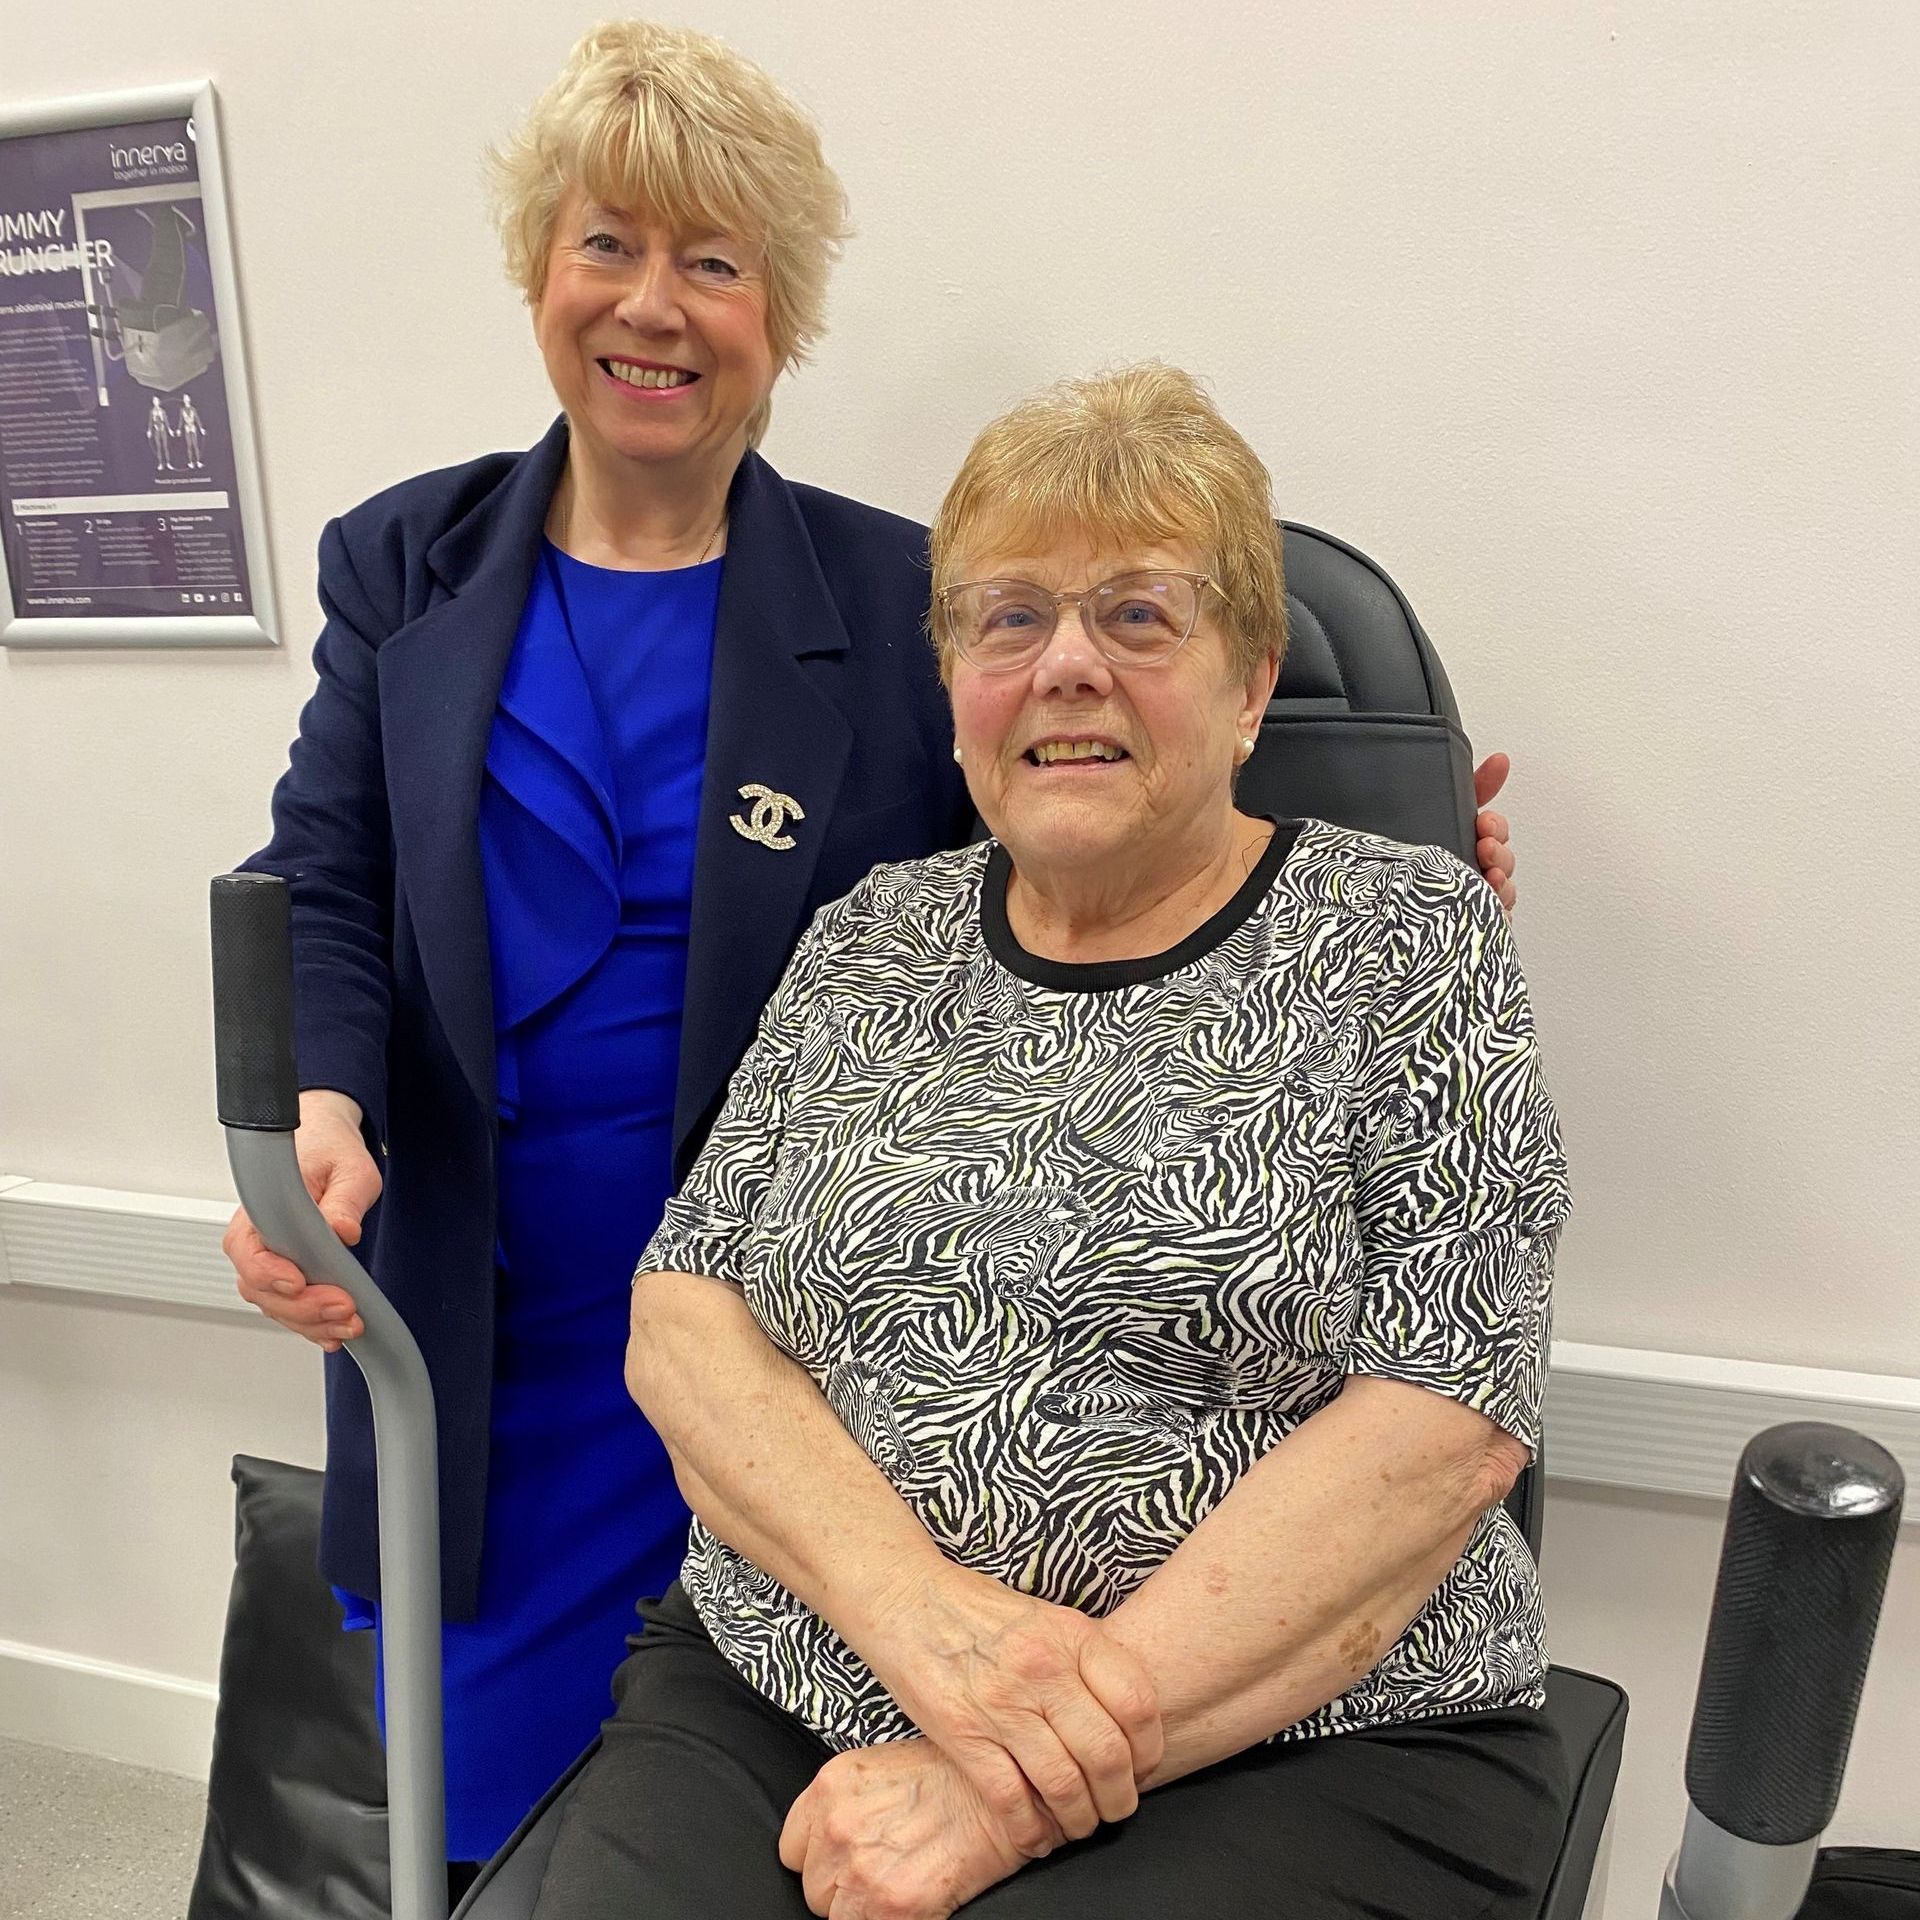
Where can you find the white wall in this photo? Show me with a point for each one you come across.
(1594, 322)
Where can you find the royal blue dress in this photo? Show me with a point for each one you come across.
(587, 825)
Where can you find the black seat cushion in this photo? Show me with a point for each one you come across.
(1590, 1716)
(297, 1796)
(1863, 1883)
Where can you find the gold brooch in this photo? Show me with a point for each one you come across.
(769, 816)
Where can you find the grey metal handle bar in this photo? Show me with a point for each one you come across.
(1803, 1564)
(259, 1106)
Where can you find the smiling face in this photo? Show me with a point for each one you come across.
(1082, 767)
(655, 340)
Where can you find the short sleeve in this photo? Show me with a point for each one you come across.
(717, 1206)
(1460, 1179)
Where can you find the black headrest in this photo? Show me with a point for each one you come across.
(1355, 641)
(1362, 729)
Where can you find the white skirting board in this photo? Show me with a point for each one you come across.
(1616, 1416)
(93, 1706)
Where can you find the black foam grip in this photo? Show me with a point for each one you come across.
(253, 1003)
(1810, 1535)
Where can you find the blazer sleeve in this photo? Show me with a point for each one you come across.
(333, 844)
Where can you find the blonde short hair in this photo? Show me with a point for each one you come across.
(678, 123)
(1136, 457)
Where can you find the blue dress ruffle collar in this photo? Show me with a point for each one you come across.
(550, 840)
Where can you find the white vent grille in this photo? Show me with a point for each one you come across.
(130, 1246)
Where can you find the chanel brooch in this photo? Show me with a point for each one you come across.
(769, 817)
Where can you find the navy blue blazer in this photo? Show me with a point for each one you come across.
(824, 689)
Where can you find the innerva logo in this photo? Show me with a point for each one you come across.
(769, 816)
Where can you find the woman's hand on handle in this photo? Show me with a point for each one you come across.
(1050, 1718)
(344, 1182)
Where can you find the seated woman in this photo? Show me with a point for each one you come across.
(1099, 1331)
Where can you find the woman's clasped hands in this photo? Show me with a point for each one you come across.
(895, 1832)
(1038, 1726)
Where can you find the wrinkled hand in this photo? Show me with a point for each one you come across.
(344, 1182)
(1048, 1716)
(895, 1832)
(1490, 829)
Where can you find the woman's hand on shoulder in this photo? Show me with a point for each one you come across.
(1491, 831)
(344, 1182)
(895, 1832)
(1048, 1716)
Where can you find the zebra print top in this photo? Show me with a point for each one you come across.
(1068, 1249)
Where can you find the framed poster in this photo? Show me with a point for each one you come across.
(130, 509)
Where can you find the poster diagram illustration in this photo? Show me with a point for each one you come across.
(163, 432)
(163, 341)
(120, 485)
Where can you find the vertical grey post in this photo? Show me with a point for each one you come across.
(1810, 1536)
(260, 1108)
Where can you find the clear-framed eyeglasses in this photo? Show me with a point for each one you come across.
(1134, 620)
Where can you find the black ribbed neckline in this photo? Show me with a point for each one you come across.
(1106, 976)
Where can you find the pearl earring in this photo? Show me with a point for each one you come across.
(1246, 746)
(956, 754)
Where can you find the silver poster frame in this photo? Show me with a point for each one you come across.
(195, 102)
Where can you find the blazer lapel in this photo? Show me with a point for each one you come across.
(440, 680)
(772, 730)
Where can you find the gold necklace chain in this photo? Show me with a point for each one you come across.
(566, 524)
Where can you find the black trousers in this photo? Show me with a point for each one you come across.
(679, 1814)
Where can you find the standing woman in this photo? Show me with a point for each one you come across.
(598, 728)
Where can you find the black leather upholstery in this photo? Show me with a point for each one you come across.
(1355, 641)
(1362, 729)
(1590, 1715)
(1408, 776)
(297, 1794)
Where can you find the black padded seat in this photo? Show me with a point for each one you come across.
(509, 1884)
(1356, 642)
(1590, 1715)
